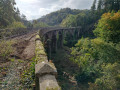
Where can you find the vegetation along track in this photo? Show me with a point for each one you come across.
(11, 70)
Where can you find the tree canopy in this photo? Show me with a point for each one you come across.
(55, 18)
(8, 12)
(98, 58)
(108, 27)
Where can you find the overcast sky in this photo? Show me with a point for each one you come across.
(34, 9)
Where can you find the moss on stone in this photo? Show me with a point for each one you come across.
(37, 36)
(39, 48)
(40, 52)
(40, 59)
(56, 88)
(39, 44)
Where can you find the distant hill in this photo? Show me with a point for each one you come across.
(55, 18)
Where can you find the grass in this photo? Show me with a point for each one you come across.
(28, 75)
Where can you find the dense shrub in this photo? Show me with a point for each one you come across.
(6, 49)
(16, 25)
(90, 55)
(28, 75)
(108, 27)
(110, 80)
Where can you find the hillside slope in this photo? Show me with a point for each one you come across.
(55, 18)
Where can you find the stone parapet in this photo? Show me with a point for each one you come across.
(45, 71)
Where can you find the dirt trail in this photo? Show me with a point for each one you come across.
(25, 46)
(25, 50)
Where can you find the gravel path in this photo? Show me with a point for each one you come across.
(12, 79)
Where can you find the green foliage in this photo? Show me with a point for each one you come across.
(99, 5)
(41, 24)
(6, 49)
(70, 21)
(95, 49)
(28, 76)
(29, 25)
(56, 88)
(108, 27)
(55, 18)
(110, 5)
(72, 17)
(110, 80)
(93, 8)
(90, 55)
(98, 58)
(82, 19)
(8, 13)
(69, 40)
(87, 17)
(16, 25)
(67, 18)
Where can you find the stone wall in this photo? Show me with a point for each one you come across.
(45, 71)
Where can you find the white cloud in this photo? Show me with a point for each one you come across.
(28, 1)
(34, 9)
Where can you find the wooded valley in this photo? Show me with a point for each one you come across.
(90, 61)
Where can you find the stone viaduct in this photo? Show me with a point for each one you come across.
(52, 38)
(48, 41)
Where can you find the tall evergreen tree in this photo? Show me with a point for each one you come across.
(117, 5)
(110, 5)
(100, 5)
(93, 8)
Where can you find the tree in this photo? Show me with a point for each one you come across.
(8, 13)
(23, 17)
(29, 25)
(93, 8)
(56, 18)
(16, 25)
(110, 5)
(41, 24)
(108, 27)
(70, 21)
(35, 22)
(110, 79)
(91, 55)
(100, 5)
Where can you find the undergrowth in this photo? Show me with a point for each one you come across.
(28, 76)
(6, 49)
